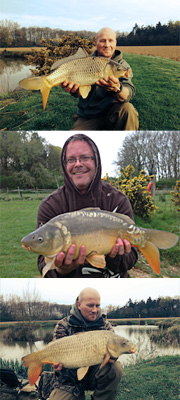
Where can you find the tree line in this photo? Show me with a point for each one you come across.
(161, 307)
(166, 34)
(12, 34)
(28, 161)
(30, 307)
(155, 152)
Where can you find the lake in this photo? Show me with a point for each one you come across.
(137, 334)
(11, 72)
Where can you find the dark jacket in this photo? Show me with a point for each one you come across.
(100, 194)
(99, 100)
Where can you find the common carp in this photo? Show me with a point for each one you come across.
(79, 68)
(80, 351)
(98, 231)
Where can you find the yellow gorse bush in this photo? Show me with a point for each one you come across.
(66, 46)
(176, 195)
(135, 189)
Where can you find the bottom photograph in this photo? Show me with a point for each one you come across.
(107, 339)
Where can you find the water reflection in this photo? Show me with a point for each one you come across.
(11, 72)
(137, 334)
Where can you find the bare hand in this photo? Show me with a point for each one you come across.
(71, 87)
(64, 262)
(112, 85)
(121, 247)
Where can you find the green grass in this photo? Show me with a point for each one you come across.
(152, 379)
(156, 99)
(18, 218)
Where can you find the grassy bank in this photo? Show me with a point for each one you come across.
(153, 379)
(18, 218)
(156, 82)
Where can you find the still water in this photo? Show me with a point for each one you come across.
(137, 334)
(11, 72)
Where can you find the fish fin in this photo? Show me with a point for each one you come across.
(37, 83)
(162, 239)
(34, 367)
(84, 91)
(97, 260)
(34, 371)
(151, 253)
(79, 54)
(81, 372)
(106, 359)
(48, 267)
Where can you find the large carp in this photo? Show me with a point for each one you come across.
(79, 68)
(98, 231)
(78, 351)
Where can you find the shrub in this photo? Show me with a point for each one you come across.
(135, 189)
(67, 45)
(176, 196)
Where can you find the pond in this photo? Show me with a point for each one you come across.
(11, 72)
(137, 334)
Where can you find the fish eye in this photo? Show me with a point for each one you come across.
(40, 239)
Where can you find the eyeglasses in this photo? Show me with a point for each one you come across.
(82, 159)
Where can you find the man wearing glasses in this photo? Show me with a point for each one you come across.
(83, 188)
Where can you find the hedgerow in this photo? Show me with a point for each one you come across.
(176, 195)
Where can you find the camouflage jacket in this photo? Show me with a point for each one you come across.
(66, 379)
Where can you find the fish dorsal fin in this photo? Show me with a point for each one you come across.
(90, 209)
(96, 260)
(79, 54)
(84, 91)
(81, 372)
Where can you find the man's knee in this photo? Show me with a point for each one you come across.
(116, 371)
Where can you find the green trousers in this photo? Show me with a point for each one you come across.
(103, 382)
(120, 117)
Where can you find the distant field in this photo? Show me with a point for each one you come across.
(172, 52)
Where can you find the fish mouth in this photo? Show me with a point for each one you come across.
(133, 349)
(26, 247)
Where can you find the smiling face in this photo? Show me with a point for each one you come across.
(106, 42)
(80, 173)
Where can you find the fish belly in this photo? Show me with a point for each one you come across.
(85, 71)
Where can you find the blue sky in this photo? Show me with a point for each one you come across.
(92, 15)
(112, 291)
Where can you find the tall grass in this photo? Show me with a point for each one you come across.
(157, 91)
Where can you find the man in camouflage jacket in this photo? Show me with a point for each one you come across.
(85, 316)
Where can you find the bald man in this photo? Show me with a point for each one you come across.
(107, 106)
(85, 316)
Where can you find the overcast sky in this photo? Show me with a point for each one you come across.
(108, 144)
(92, 15)
(112, 291)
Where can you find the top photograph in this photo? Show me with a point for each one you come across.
(98, 67)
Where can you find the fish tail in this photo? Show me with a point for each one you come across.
(151, 253)
(157, 239)
(161, 239)
(34, 367)
(37, 83)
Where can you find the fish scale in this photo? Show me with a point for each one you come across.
(84, 71)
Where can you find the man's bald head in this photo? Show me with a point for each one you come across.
(106, 42)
